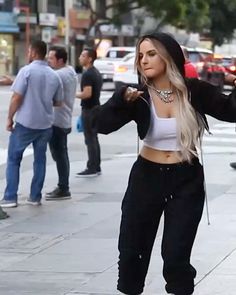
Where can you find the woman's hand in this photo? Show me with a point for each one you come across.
(131, 94)
(230, 78)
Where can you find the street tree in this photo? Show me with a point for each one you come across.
(189, 14)
(223, 20)
(216, 19)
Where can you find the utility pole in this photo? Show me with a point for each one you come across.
(17, 9)
(68, 6)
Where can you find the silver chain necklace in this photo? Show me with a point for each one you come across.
(164, 95)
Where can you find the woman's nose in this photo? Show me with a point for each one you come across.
(144, 60)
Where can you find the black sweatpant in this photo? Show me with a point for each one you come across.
(91, 141)
(178, 191)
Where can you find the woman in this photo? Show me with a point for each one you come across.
(167, 176)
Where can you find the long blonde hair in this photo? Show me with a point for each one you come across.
(190, 128)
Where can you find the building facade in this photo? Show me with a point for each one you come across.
(61, 22)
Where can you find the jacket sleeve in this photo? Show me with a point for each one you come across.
(209, 100)
(114, 114)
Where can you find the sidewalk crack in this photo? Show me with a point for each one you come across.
(218, 264)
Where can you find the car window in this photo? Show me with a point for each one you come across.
(117, 53)
(194, 57)
(129, 57)
(205, 55)
(227, 61)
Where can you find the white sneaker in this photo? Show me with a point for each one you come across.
(8, 204)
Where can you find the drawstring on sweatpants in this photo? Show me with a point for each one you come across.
(168, 198)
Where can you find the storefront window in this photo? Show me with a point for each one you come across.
(6, 5)
(56, 6)
(32, 4)
(6, 54)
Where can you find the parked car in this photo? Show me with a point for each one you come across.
(106, 65)
(214, 71)
(125, 72)
(229, 63)
(198, 56)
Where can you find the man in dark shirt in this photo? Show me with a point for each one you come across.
(91, 84)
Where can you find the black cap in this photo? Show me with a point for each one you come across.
(172, 47)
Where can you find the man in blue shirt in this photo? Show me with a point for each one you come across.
(36, 89)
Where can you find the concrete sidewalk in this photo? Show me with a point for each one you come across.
(70, 247)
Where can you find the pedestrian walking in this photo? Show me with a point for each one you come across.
(57, 59)
(189, 67)
(91, 85)
(167, 177)
(35, 90)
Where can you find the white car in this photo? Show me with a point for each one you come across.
(125, 72)
(107, 64)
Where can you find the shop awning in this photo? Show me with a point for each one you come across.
(8, 23)
(9, 29)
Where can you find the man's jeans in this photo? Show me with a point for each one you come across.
(59, 151)
(20, 138)
(91, 140)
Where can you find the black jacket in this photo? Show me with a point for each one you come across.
(205, 98)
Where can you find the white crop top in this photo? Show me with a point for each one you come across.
(162, 132)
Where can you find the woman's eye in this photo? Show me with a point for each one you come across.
(152, 53)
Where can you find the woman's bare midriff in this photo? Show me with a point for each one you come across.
(158, 156)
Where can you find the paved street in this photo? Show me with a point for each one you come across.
(70, 247)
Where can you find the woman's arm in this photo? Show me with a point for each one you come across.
(230, 79)
(117, 111)
(209, 100)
